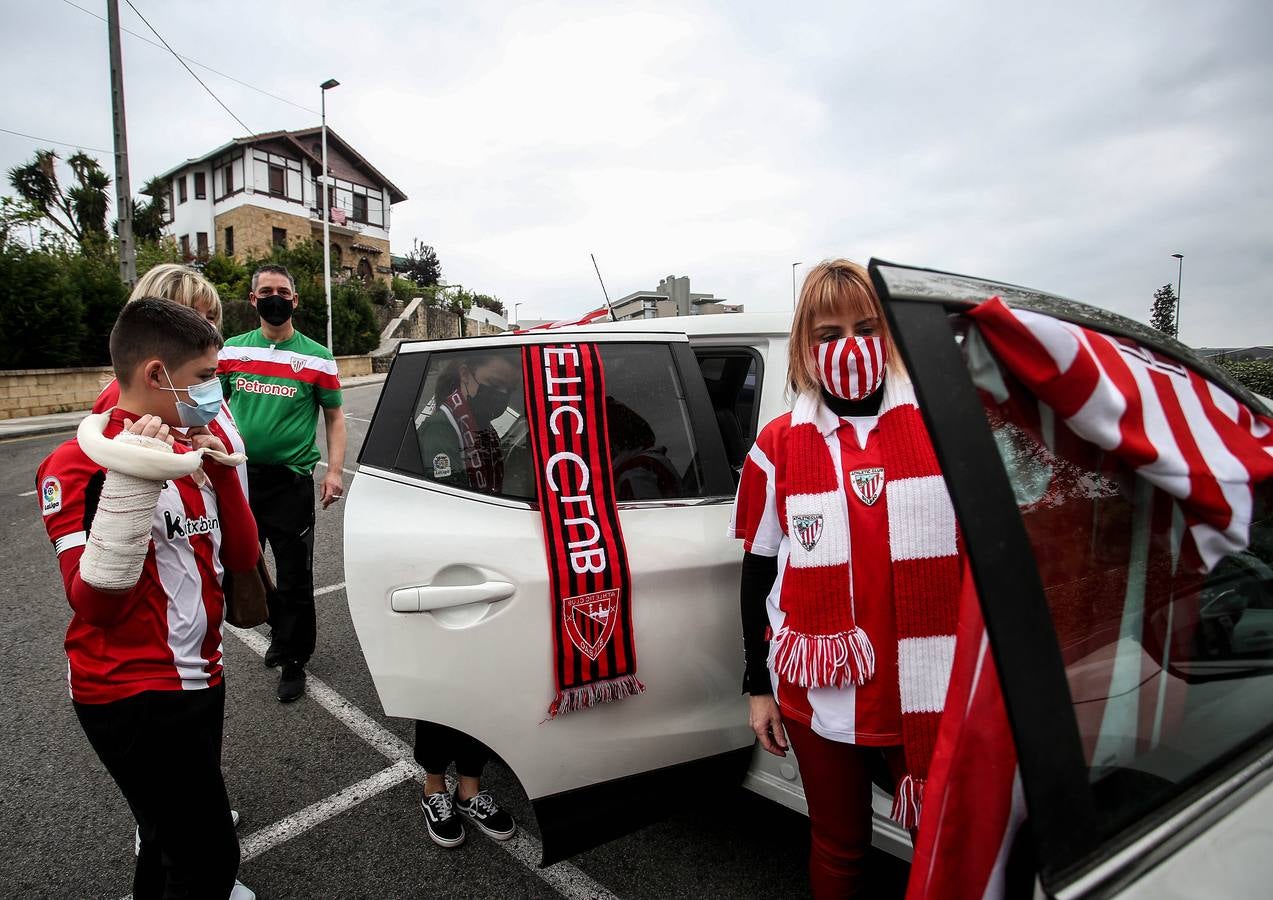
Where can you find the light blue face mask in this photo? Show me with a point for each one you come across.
(206, 397)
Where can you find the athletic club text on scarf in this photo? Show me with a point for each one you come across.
(589, 580)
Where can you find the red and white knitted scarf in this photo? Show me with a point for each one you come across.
(479, 447)
(820, 643)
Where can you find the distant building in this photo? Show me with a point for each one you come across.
(1235, 353)
(671, 298)
(255, 192)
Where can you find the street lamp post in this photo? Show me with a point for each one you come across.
(327, 211)
(1180, 269)
(517, 319)
(793, 284)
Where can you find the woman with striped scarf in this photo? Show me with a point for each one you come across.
(850, 576)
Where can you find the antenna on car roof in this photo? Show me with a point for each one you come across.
(605, 293)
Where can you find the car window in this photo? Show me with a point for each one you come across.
(469, 428)
(732, 376)
(1168, 668)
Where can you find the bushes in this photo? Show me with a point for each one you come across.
(41, 315)
(1255, 374)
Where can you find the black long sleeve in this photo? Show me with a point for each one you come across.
(759, 575)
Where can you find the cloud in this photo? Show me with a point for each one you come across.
(1071, 148)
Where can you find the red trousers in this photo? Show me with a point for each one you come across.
(837, 784)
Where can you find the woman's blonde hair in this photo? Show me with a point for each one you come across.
(180, 284)
(832, 288)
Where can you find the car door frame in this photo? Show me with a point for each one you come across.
(1070, 858)
(567, 820)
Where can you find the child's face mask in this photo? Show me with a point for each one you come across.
(852, 368)
(205, 401)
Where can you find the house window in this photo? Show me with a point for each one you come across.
(185, 246)
(165, 202)
(200, 186)
(227, 175)
(181, 189)
(360, 208)
(201, 244)
(280, 237)
(229, 241)
(279, 176)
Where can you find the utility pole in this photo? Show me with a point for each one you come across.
(123, 190)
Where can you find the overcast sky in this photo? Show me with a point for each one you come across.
(1073, 149)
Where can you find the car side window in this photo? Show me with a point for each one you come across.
(469, 423)
(469, 430)
(1170, 669)
(732, 376)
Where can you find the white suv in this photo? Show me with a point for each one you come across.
(448, 591)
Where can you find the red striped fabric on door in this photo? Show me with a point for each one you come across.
(589, 580)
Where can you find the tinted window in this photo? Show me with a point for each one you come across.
(1168, 667)
(732, 377)
(469, 429)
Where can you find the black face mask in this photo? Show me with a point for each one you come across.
(489, 402)
(274, 309)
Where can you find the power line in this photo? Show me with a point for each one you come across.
(186, 67)
(238, 81)
(60, 143)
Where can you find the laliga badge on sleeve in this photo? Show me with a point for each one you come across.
(441, 466)
(50, 496)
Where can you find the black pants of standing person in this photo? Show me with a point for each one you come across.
(163, 748)
(437, 746)
(283, 503)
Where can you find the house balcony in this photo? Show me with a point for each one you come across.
(349, 228)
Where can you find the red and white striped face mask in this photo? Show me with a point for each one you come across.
(852, 368)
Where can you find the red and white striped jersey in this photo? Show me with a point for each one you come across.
(869, 714)
(222, 426)
(165, 634)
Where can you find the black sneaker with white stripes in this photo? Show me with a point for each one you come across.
(482, 811)
(445, 827)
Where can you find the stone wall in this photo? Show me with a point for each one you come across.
(37, 392)
(254, 229)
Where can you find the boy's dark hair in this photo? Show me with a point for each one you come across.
(155, 328)
(278, 270)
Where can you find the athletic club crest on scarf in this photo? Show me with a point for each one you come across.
(852, 368)
(589, 581)
(807, 530)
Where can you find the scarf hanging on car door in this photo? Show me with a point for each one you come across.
(589, 582)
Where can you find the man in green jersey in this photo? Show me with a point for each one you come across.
(276, 380)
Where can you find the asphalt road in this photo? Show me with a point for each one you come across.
(326, 810)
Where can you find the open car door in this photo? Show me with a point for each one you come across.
(448, 582)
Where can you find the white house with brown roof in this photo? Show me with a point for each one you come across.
(254, 192)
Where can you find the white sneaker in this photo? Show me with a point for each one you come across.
(242, 892)
(234, 817)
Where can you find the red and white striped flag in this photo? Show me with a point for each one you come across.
(1175, 429)
(586, 319)
(1203, 452)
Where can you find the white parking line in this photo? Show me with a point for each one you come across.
(28, 494)
(567, 880)
(330, 589)
(346, 471)
(328, 808)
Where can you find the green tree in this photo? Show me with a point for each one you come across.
(77, 212)
(1255, 375)
(92, 279)
(41, 321)
(1162, 315)
(421, 265)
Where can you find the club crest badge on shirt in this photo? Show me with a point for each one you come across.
(807, 530)
(298, 363)
(441, 466)
(868, 484)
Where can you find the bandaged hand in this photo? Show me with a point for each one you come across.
(120, 534)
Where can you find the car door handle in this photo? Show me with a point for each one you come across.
(441, 596)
